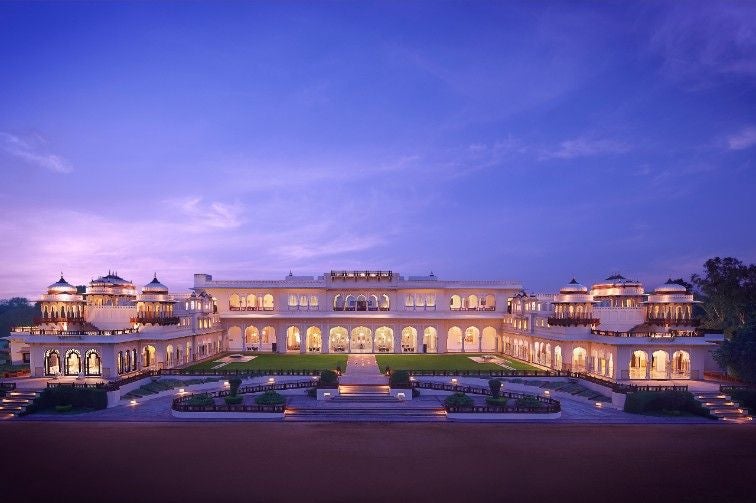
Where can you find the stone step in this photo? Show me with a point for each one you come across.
(362, 389)
(11, 408)
(365, 414)
(15, 401)
(365, 398)
(29, 395)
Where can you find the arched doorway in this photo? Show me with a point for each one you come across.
(659, 365)
(93, 365)
(252, 338)
(578, 359)
(361, 340)
(293, 339)
(235, 339)
(409, 340)
(72, 363)
(314, 340)
(489, 339)
(148, 356)
(638, 365)
(384, 340)
(430, 340)
(52, 363)
(681, 365)
(454, 339)
(472, 340)
(338, 340)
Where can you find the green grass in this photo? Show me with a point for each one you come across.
(442, 362)
(281, 361)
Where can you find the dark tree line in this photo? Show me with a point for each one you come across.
(16, 312)
(727, 289)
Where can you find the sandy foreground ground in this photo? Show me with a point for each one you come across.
(403, 462)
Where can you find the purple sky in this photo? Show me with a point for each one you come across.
(527, 141)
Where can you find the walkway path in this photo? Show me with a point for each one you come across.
(363, 369)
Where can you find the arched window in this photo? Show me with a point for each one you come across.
(314, 340)
(292, 301)
(233, 301)
(72, 363)
(361, 303)
(93, 365)
(268, 302)
(455, 303)
(313, 301)
(409, 340)
(373, 303)
(252, 338)
(384, 302)
(268, 335)
(338, 302)
(293, 339)
(120, 362)
(472, 302)
(251, 301)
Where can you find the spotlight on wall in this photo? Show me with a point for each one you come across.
(133, 402)
(599, 405)
(271, 380)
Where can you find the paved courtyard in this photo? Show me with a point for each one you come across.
(222, 461)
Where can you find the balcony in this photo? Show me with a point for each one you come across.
(676, 322)
(362, 309)
(39, 320)
(572, 322)
(156, 320)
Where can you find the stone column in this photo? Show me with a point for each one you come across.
(325, 339)
(302, 339)
(397, 340)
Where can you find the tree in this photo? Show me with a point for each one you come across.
(737, 355)
(16, 312)
(728, 292)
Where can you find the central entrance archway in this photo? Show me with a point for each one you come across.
(361, 340)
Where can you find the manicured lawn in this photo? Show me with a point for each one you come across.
(442, 362)
(283, 362)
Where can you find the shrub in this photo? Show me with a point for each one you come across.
(312, 392)
(233, 399)
(669, 402)
(529, 402)
(201, 400)
(328, 379)
(270, 398)
(234, 384)
(495, 386)
(400, 379)
(458, 400)
(496, 401)
(63, 408)
(415, 392)
(85, 398)
(746, 398)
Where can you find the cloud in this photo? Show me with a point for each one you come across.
(31, 152)
(708, 41)
(200, 216)
(743, 140)
(583, 147)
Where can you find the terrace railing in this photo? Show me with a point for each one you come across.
(547, 405)
(182, 404)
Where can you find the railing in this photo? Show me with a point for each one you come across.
(156, 320)
(181, 403)
(355, 309)
(549, 406)
(479, 308)
(568, 322)
(245, 372)
(64, 333)
(610, 333)
(253, 308)
(614, 386)
(689, 322)
(58, 319)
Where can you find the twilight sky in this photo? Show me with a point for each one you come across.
(481, 140)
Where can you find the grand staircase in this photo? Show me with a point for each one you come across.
(723, 407)
(15, 402)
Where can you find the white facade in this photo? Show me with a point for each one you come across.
(109, 330)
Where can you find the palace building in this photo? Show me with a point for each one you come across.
(614, 330)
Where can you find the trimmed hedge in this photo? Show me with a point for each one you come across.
(673, 402)
(233, 399)
(201, 400)
(459, 400)
(400, 379)
(85, 398)
(495, 386)
(328, 379)
(270, 398)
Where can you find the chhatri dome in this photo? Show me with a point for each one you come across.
(61, 286)
(671, 287)
(155, 286)
(573, 287)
